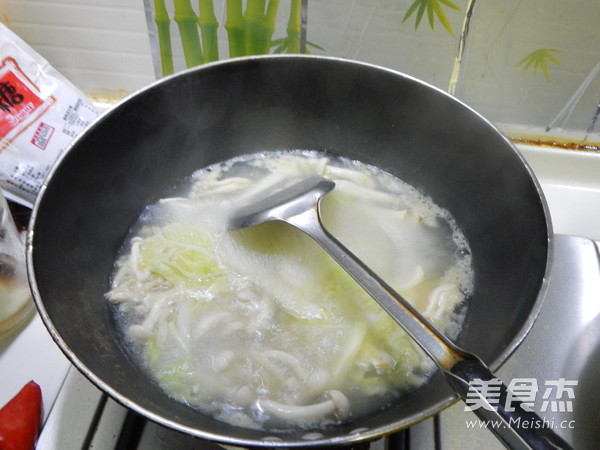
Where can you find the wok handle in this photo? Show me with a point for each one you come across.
(461, 368)
(517, 427)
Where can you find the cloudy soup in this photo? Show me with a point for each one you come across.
(259, 327)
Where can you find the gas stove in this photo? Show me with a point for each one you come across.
(564, 344)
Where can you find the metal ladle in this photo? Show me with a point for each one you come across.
(298, 205)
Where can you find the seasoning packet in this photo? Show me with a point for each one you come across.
(40, 114)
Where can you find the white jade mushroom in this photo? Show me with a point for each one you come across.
(336, 404)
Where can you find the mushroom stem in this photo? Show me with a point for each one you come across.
(336, 405)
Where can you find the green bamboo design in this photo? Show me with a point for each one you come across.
(433, 9)
(249, 32)
(538, 61)
(291, 43)
(253, 26)
(163, 26)
(208, 29)
(268, 27)
(293, 28)
(235, 28)
(188, 28)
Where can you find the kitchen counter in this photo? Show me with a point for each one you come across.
(571, 184)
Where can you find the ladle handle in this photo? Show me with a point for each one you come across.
(433, 342)
(462, 369)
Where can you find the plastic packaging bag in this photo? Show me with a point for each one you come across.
(40, 114)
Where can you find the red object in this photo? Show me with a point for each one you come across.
(21, 102)
(20, 419)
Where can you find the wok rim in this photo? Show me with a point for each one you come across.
(360, 435)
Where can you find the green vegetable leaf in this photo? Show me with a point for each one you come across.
(538, 60)
(182, 255)
(434, 9)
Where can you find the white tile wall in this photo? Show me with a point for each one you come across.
(103, 47)
(100, 45)
(504, 32)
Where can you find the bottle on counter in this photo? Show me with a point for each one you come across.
(15, 295)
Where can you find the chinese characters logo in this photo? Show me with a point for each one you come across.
(556, 397)
(21, 102)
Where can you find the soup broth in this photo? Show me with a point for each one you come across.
(260, 327)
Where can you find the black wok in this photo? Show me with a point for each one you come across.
(133, 154)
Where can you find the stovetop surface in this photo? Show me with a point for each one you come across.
(564, 343)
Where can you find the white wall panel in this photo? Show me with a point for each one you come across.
(103, 47)
(100, 45)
